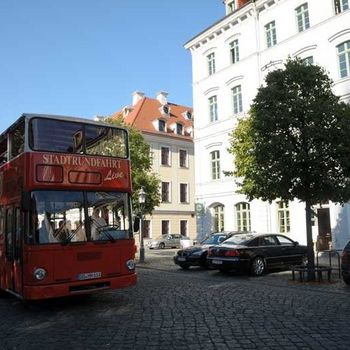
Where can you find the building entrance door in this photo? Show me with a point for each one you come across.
(324, 229)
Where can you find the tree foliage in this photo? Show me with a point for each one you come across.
(296, 141)
(141, 168)
(295, 144)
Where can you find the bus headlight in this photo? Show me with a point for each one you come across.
(130, 264)
(39, 273)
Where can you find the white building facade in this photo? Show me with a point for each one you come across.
(230, 61)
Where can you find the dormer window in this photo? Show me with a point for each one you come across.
(165, 110)
(179, 129)
(161, 125)
(188, 115)
(230, 6)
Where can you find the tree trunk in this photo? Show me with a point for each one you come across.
(310, 245)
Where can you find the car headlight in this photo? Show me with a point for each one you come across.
(130, 264)
(40, 273)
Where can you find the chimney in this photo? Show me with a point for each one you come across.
(162, 97)
(137, 96)
(233, 5)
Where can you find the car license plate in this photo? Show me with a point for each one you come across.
(89, 275)
(181, 259)
(217, 262)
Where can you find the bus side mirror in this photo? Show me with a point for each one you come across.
(25, 203)
(136, 224)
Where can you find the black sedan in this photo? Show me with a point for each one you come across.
(197, 255)
(256, 253)
(345, 264)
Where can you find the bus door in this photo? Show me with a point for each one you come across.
(13, 250)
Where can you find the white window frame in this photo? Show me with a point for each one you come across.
(213, 108)
(161, 121)
(237, 99)
(344, 59)
(283, 217)
(341, 5)
(211, 63)
(186, 194)
(219, 217)
(161, 156)
(234, 51)
(215, 165)
(271, 35)
(169, 191)
(186, 158)
(243, 219)
(302, 17)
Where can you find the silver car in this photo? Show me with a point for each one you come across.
(167, 241)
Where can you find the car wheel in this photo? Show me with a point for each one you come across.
(258, 266)
(161, 245)
(346, 280)
(184, 266)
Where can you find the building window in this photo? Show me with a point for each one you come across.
(237, 99)
(165, 227)
(234, 50)
(211, 63)
(183, 193)
(283, 217)
(183, 227)
(308, 61)
(302, 14)
(341, 5)
(243, 216)
(230, 6)
(271, 37)
(344, 59)
(215, 165)
(165, 156)
(165, 192)
(213, 109)
(179, 129)
(146, 228)
(219, 218)
(161, 125)
(183, 158)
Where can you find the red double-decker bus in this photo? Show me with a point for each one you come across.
(65, 207)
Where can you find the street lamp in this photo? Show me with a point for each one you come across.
(142, 200)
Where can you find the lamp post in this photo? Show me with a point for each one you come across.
(142, 200)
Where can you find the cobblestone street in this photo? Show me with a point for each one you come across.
(196, 309)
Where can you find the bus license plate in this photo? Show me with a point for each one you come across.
(89, 275)
(217, 262)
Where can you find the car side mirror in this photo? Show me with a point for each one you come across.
(296, 243)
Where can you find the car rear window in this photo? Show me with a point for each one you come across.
(240, 239)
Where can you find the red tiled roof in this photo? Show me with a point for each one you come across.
(145, 114)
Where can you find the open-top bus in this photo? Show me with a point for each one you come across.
(65, 207)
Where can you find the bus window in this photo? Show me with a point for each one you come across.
(106, 141)
(8, 233)
(108, 214)
(3, 151)
(55, 135)
(17, 140)
(58, 216)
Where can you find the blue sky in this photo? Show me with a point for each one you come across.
(86, 57)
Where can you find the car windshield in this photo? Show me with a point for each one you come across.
(239, 239)
(214, 239)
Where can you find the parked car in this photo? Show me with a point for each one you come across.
(345, 263)
(197, 255)
(167, 241)
(256, 253)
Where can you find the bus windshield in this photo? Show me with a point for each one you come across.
(78, 216)
(54, 135)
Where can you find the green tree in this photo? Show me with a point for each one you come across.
(295, 143)
(141, 168)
